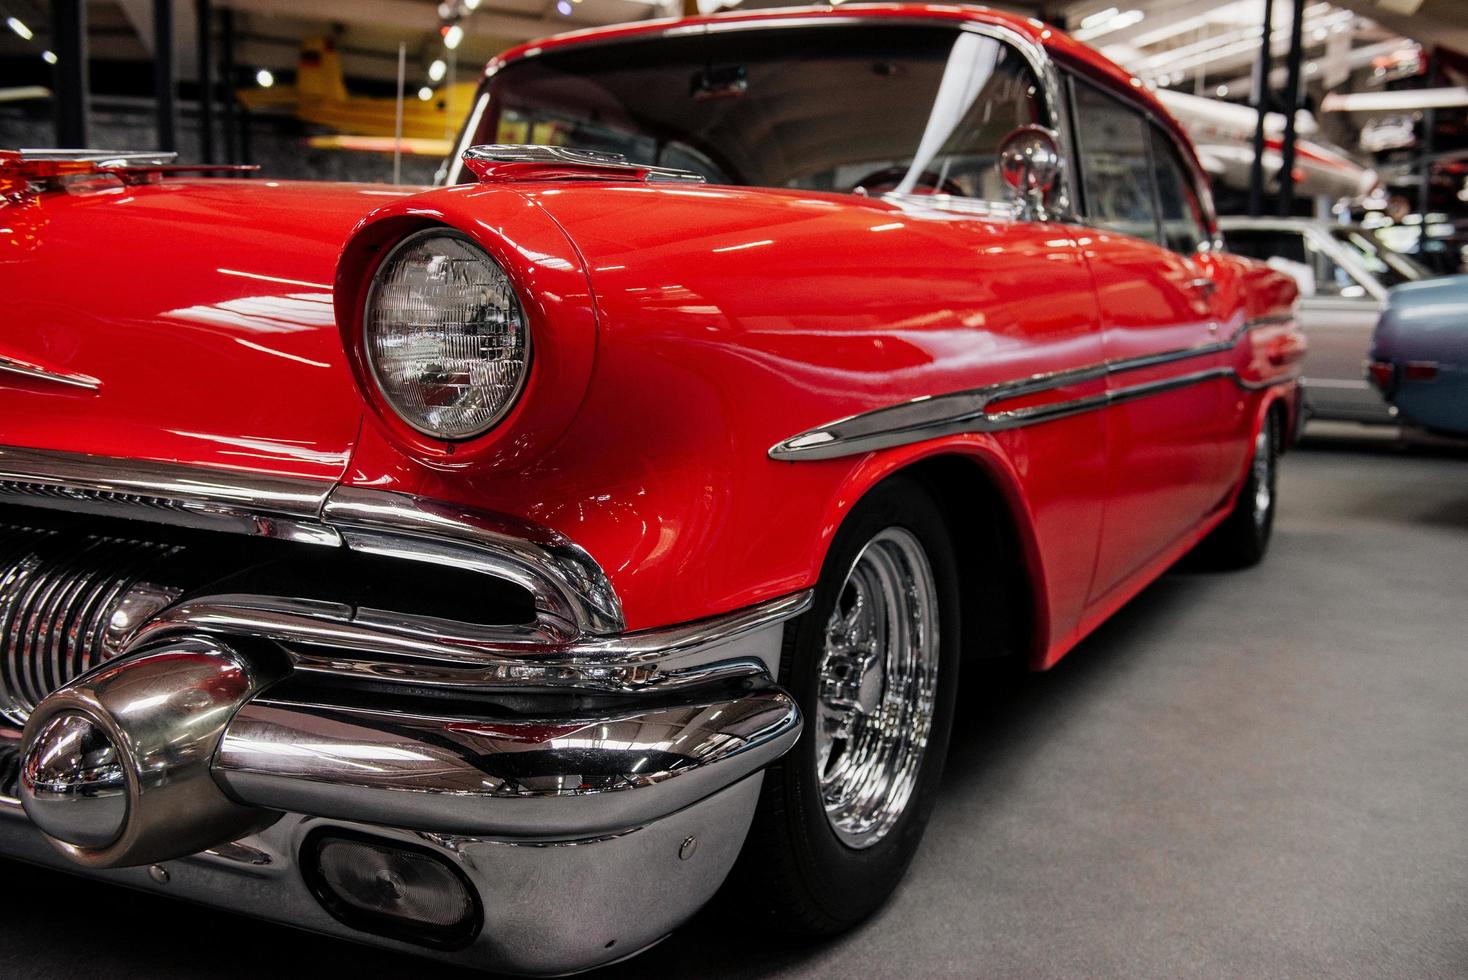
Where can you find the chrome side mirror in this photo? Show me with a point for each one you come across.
(1029, 161)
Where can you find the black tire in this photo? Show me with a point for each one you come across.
(1242, 540)
(795, 867)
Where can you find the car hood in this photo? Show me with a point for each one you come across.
(193, 318)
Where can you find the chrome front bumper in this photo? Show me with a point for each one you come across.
(592, 785)
(586, 833)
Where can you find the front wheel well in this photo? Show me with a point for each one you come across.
(1279, 416)
(997, 599)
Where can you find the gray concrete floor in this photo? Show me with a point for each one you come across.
(1258, 774)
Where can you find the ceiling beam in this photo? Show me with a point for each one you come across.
(1432, 22)
(412, 16)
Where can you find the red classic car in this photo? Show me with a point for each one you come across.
(493, 571)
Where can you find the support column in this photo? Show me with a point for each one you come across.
(69, 41)
(1260, 102)
(204, 14)
(165, 76)
(1291, 110)
(1429, 149)
(227, 74)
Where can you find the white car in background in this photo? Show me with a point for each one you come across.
(1344, 272)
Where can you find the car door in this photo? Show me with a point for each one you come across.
(1160, 296)
(1339, 307)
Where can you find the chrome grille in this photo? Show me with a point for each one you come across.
(67, 602)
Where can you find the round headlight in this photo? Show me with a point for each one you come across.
(445, 335)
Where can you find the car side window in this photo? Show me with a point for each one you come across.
(1116, 163)
(1183, 228)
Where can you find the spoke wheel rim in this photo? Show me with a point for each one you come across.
(876, 688)
(1263, 476)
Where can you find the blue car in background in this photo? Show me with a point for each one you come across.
(1419, 354)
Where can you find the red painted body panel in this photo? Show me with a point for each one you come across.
(705, 360)
(680, 332)
(204, 310)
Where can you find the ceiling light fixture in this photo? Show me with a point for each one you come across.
(1113, 22)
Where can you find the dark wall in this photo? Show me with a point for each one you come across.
(277, 144)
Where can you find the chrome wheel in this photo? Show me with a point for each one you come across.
(875, 687)
(1263, 475)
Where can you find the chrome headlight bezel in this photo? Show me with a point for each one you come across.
(388, 396)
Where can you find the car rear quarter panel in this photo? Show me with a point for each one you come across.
(1268, 356)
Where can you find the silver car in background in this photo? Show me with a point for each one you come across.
(1344, 272)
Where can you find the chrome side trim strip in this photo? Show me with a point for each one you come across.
(170, 493)
(34, 372)
(970, 411)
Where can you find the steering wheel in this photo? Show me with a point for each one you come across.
(886, 180)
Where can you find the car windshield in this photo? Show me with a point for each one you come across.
(845, 108)
(1390, 267)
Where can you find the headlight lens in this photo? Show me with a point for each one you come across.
(445, 335)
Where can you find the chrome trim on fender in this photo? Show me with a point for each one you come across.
(582, 775)
(577, 636)
(566, 582)
(34, 372)
(969, 411)
(572, 594)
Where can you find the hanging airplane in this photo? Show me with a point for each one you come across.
(1224, 135)
(320, 96)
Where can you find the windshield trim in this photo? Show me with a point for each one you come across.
(1054, 106)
